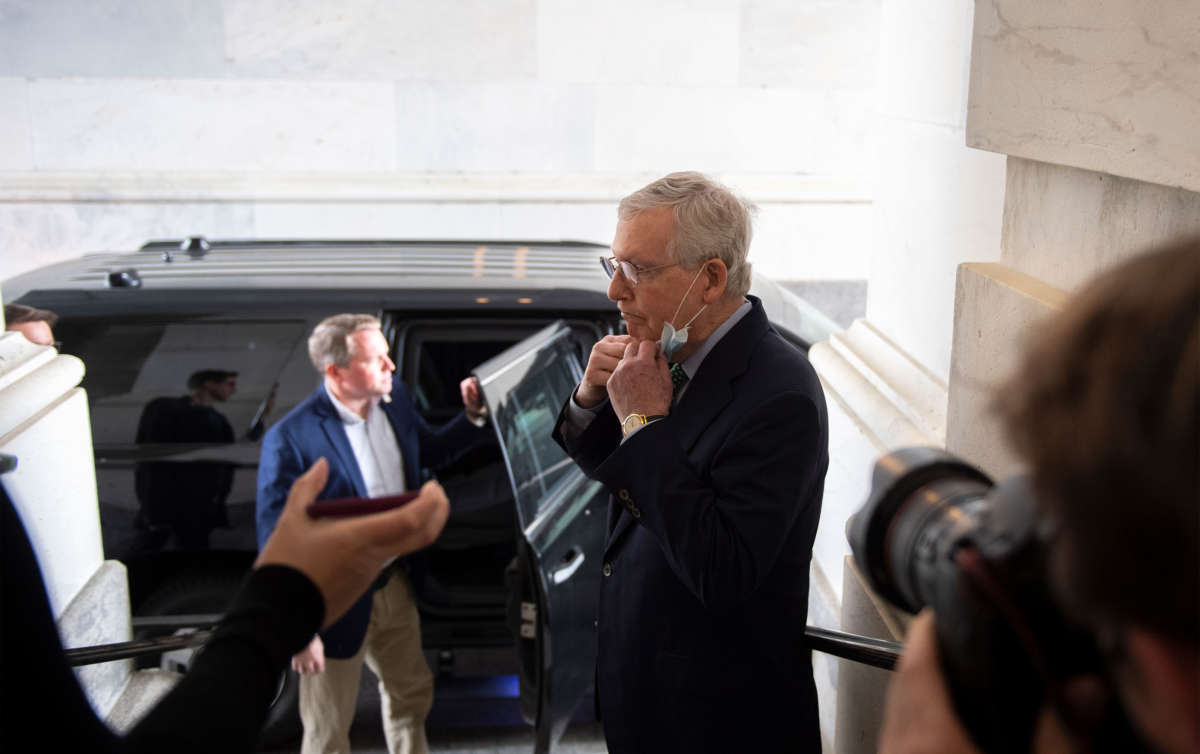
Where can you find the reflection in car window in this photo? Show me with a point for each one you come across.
(139, 378)
(526, 421)
(130, 364)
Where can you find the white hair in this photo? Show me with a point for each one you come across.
(330, 341)
(711, 222)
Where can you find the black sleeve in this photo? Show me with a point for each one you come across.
(41, 701)
(221, 703)
(218, 706)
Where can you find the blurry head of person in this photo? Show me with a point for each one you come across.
(680, 245)
(34, 324)
(212, 385)
(1105, 408)
(352, 354)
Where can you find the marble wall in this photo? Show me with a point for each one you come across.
(1090, 112)
(1112, 87)
(1098, 109)
(132, 119)
(936, 203)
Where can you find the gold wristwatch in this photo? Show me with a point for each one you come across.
(633, 421)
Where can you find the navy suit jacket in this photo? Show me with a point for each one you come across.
(704, 600)
(314, 430)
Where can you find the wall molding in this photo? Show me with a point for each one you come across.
(892, 399)
(523, 188)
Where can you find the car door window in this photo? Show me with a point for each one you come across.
(527, 388)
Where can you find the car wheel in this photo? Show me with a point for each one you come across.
(212, 592)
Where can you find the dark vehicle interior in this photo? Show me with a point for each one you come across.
(461, 579)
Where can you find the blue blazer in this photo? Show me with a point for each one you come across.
(314, 430)
(704, 594)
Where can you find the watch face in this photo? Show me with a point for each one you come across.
(631, 421)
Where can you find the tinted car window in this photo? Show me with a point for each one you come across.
(539, 383)
(137, 383)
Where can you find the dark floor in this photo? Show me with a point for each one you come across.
(471, 715)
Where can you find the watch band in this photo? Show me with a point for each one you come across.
(633, 421)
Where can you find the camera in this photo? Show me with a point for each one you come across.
(938, 532)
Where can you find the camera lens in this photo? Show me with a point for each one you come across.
(921, 500)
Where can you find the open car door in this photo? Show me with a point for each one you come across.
(554, 590)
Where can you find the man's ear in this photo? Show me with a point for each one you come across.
(715, 276)
(331, 371)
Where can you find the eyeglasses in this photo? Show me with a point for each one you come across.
(630, 270)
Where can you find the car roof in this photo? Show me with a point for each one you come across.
(238, 267)
(197, 275)
(341, 264)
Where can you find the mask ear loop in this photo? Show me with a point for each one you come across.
(685, 295)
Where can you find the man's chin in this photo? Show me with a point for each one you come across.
(639, 331)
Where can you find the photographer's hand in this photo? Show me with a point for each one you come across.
(918, 715)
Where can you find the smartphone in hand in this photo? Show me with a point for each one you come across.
(344, 507)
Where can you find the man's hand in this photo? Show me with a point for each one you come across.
(641, 382)
(918, 715)
(472, 398)
(311, 659)
(606, 354)
(343, 556)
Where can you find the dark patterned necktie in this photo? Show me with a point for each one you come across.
(679, 378)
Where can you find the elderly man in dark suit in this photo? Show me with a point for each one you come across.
(713, 441)
(363, 423)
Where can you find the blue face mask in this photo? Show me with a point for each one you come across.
(671, 339)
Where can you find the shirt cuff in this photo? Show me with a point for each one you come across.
(577, 418)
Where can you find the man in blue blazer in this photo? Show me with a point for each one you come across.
(362, 421)
(714, 443)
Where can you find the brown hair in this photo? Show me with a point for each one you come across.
(1106, 410)
(15, 314)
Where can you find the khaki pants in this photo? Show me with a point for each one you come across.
(392, 649)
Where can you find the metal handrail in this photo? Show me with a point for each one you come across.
(125, 649)
(865, 650)
(861, 649)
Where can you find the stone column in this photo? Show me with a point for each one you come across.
(1095, 108)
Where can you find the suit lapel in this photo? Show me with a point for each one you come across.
(711, 389)
(707, 395)
(335, 432)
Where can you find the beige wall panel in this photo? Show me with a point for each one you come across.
(1112, 87)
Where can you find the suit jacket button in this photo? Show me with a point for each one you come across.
(624, 495)
(607, 569)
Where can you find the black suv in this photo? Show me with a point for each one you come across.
(517, 567)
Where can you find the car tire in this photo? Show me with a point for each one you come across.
(212, 592)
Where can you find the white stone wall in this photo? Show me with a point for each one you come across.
(936, 203)
(1091, 112)
(127, 120)
(1099, 120)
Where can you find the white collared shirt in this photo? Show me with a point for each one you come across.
(374, 446)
